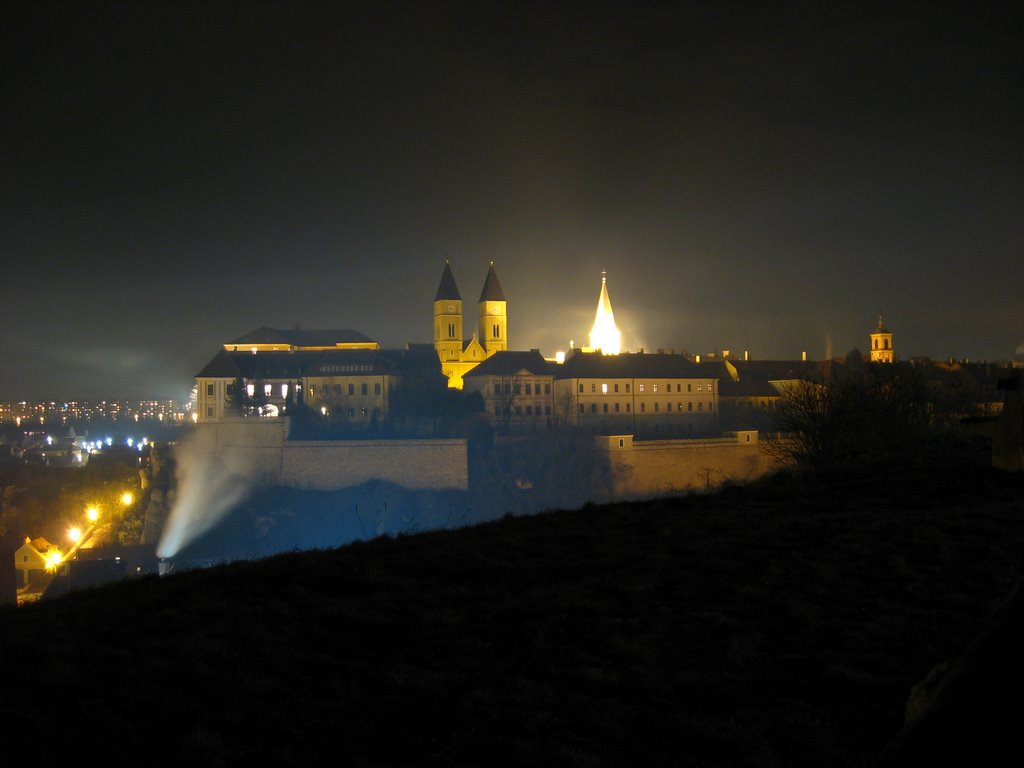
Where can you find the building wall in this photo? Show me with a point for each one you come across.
(658, 467)
(261, 446)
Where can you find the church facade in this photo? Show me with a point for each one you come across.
(457, 354)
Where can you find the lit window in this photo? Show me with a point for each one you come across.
(641, 387)
(250, 389)
(284, 390)
(209, 390)
(604, 389)
(655, 388)
(700, 387)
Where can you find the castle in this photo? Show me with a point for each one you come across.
(348, 378)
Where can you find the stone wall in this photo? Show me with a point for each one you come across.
(659, 467)
(432, 464)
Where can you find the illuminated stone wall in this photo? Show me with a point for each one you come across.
(334, 464)
(659, 467)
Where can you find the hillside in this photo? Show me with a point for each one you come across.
(780, 624)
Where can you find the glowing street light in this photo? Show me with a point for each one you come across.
(93, 513)
(127, 498)
(53, 558)
(74, 533)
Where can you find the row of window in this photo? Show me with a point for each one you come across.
(518, 410)
(643, 407)
(516, 388)
(326, 390)
(642, 387)
(347, 368)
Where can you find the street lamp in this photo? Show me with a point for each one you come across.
(127, 499)
(93, 514)
(74, 533)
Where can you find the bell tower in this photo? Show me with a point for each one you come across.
(881, 344)
(448, 317)
(493, 312)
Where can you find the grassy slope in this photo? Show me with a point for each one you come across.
(782, 624)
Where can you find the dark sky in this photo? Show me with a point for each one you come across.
(766, 177)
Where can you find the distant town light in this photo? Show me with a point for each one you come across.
(127, 498)
(92, 513)
(74, 533)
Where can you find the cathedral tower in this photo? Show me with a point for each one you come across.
(605, 335)
(448, 317)
(881, 344)
(493, 311)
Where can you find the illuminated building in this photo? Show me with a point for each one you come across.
(457, 354)
(355, 385)
(881, 344)
(605, 336)
(516, 388)
(637, 393)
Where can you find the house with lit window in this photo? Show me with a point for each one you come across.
(636, 393)
(34, 558)
(516, 388)
(353, 385)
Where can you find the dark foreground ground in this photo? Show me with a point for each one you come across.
(781, 624)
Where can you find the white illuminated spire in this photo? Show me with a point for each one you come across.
(604, 335)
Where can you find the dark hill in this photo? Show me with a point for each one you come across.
(780, 624)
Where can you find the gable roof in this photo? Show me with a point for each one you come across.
(512, 363)
(492, 288)
(446, 289)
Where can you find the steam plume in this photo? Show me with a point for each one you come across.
(209, 485)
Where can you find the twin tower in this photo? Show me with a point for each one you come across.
(458, 355)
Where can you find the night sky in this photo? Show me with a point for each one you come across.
(767, 177)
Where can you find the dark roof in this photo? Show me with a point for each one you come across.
(592, 365)
(222, 366)
(492, 288)
(511, 363)
(300, 337)
(783, 370)
(447, 289)
(293, 365)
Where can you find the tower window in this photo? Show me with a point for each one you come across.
(451, 330)
(496, 331)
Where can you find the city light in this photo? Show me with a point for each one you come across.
(127, 498)
(75, 533)
(53, 559)
(93, 513)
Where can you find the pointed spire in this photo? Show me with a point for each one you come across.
(604, 335)
(492, 288)
(447, 290)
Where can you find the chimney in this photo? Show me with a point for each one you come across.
(803, 356)
(746, 354)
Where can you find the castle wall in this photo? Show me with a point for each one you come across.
(659, 467)
(413, 464)
(262, 445)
